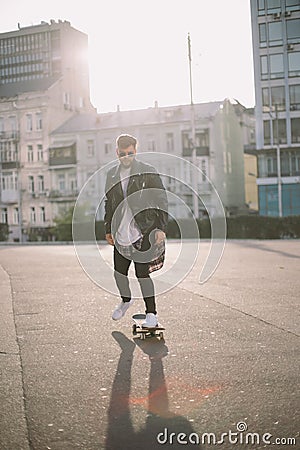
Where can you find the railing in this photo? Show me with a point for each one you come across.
(67, 194)
(9, 135)
(200, 151)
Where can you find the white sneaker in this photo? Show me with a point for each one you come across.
(121, 309)
(151, 321)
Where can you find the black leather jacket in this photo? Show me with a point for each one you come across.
(146, 196)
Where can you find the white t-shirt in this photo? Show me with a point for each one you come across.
(128, 231)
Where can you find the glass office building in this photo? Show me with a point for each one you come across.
(276, 52)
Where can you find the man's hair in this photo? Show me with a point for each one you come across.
(125, 140)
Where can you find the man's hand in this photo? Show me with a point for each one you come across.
(159, 236)
(110, 239)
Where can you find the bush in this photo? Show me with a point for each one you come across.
(3, 231)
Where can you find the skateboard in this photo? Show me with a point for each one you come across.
(143, 332)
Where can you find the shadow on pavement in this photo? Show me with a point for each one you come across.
(260, 246)
(120, 430)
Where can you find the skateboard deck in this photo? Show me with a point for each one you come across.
(144, 332)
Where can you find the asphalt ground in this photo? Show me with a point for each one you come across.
(226, 376)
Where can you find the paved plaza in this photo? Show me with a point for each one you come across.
(226, 376)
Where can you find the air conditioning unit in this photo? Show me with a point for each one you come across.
(276, 16)
(290, 47)
(287, 13)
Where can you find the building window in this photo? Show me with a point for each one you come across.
(294, 64)
(280, 133)
(9, 181)
(42, 214)
(66, 99)
(295, 163)
(276, 66)
(262, 35)
(73, 184)
(261, 7)
(61, 182)
(267, 132)
(202, 139)
(32, 215)
(4, 215)
(225, 161)
(13, 123)
(28, 122)
(204, 170)
(30, 153)
(295, 128)
(278, 97)
(40, 153)
(90, 148)
(295, 97)
(271, 166)
(170, 142)
(41, 186)
(107, 148)
(81, 102)
(292, 5)
(264, 67)
(16, 216)
(31, 184)
(275, 33)
(293, 30)
(151, 146)
(273, 6)
(91, 184)
(38, 121)
(186, 141)
(265, 99)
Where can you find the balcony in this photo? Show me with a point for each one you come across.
(9, 159)
(62, 156)
(9, 196)
(200, 151)
(9, 136)
(250, 149)
(62, 196)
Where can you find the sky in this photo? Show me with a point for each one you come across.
(138, 50)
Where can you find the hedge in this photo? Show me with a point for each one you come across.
(239, 227)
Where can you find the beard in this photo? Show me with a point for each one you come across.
(126, 161)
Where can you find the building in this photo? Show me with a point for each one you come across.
(221, 130)
(52, 139)
(44, 80)
(276, 51)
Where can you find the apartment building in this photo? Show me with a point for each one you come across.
(44, 80)
(276, 51)
(221, 130)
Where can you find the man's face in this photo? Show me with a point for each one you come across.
(126, 155)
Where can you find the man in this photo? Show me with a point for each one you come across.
(135, 222)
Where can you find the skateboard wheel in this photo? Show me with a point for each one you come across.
(134, 329)
(161, 335)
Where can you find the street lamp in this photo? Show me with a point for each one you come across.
(193, 139)
(279, 187)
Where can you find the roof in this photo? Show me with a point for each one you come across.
(14, 89)
(154, 115)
